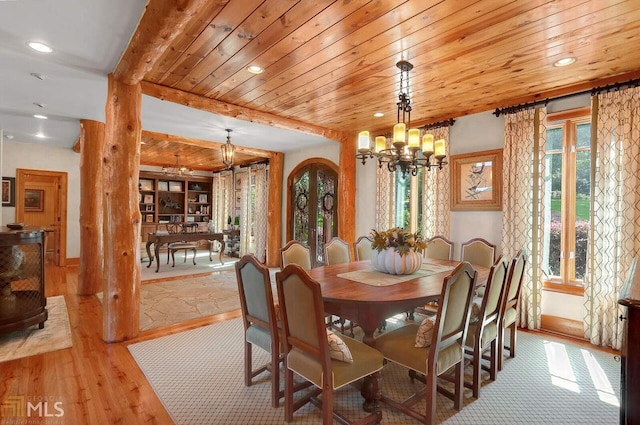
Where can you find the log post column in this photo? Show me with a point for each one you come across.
(91, 142)
(347, 189)
(121, 161)
(274, 210)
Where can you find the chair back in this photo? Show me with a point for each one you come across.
(295, 252)
(453, 313)
(302, 313)
(336, 252)
(439, 248)
(362, 248)
(478, 251)
(514, 280)
(494, 292)
(256, 297)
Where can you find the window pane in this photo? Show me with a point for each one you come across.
(554, 139)
(553, 237)
(584, 136)
(403, 195)
(582, 210)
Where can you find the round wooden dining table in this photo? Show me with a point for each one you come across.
(368, 305)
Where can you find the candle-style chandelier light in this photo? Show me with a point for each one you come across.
(409, 152)
(178, 170)
(228, 150)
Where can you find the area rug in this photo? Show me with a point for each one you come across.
(55, 335)
(177, 301)
(198, 376)
(182, 268)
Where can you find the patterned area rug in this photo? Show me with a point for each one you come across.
(185, 268)
(198, 376)
(177, 301)
(55, 335)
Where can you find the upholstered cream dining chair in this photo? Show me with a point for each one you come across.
(295, 252)
(362, 248)
(309, 354)
(444, 349)
(510, 305)
(478, 251)
(440, 248)
(336, 251)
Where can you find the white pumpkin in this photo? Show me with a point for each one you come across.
(389, 261)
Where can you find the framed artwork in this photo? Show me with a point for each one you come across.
(33, 200)
(175, 186)
(8, 192)
(476, 181)
(144, 184)
(148, 207)
(148, 199)
(202, 198)
(163, 186)
(149, 218)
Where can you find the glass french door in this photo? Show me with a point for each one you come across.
(313, 201)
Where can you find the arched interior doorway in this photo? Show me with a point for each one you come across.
(313, 204)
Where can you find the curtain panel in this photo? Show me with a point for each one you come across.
(260, 216)
(615, 222)
(246, 212)
(436, 205)
(523, 207)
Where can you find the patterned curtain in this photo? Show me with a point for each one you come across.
(523, 203)
(260, 216)
(229, 201)
(245, 211)
(615, 226)
(435, 200)
(385, 197)
(220, 207)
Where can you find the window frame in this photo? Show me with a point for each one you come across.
(568, 121)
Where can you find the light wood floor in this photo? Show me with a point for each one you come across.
(97, 383)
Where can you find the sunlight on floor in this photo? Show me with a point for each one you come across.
(600, 381)
(560, 367)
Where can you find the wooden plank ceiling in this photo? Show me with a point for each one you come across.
(332, 63)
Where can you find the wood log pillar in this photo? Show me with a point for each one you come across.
(91, 143)
(274, 210)
(347, 189)
(121, 161)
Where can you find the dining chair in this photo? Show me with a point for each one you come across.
(440, 248)
(362, 248)
(260, 321)
(444, 349)
(483, 327)
(295, 252)
(308, 353)
(478, 251)
(510, 305)
(336, 251)
(179, 246)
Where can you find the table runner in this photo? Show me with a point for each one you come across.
(375, 278)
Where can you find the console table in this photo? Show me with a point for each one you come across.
(22, 300)
(160, 239)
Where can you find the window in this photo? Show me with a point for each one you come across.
(567, 196)
(408, 208)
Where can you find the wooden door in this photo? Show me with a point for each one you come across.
(313, 219)
(41, 200)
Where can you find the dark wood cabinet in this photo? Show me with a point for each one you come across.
(22, 300)
(630, 351)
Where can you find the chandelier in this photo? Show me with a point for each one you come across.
(409, 152)
(178, 170)
(228, 150)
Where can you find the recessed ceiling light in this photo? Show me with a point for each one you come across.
(40, 105)
(40, 135)
(255, 69)
(38, 76)
(378, 114)
(564, 61)
(39, 47)
(40, 117)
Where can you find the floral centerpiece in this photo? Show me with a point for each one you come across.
(396, 251)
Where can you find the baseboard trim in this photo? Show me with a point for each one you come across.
(573, 328)
(72, 262)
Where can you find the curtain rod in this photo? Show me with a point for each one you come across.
(594, 91)
(434, 125)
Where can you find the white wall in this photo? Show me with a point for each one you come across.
(330, 151)
(40, 157)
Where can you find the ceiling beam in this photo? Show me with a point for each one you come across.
(161, 23)
(239, 112)
(205, 143)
